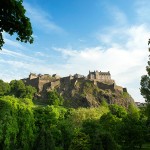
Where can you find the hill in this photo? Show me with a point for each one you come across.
(80, 91)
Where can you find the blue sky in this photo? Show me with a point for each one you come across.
(75, 36)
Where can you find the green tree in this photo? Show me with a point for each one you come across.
(145, 82)
(30, 91)
(66, 129)
(111, 123)
(54, 98)
(107, 141)
(18, 88)
(145, 91)
(132, 132)
(4, 88)
(45, 140)
(134, 111)
(16, 124)
(13, 20)
(91, 128)
(117, 110)
(81, 141)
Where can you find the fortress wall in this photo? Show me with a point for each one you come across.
(33, 82)
(105, 86)
(45, 77)
(125, 90)
(41, 84)
(119, 88)
(55, 83)
(66, 80)
(81, 79)
(32, 76)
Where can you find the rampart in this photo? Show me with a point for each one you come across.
(47, 82)
(106, 86)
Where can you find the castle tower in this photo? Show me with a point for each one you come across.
(32, 76)
(99, 76)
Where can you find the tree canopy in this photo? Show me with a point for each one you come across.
(145, 82)
(13, 20)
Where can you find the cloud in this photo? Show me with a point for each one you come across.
(12, 53)
(125, 60)
(12, 43)
(124, 51)
(66, 52)
(44, 20)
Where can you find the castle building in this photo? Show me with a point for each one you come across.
(100, 76)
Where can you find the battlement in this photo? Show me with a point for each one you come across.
(32, 76)
(101, 79)
(99, 76)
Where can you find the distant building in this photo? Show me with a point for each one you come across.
(101, 76)
(139, 104)
(78, 76)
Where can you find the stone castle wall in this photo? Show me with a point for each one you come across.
(99, 76)
(46, 82)
(106, 86)
(119, 88)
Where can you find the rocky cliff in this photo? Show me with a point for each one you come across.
(80, 91)
(84, 93)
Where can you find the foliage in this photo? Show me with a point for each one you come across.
(105, 141)
(4, 88)
(104, 102)
(134, 111)
(54, 98)
(145, 86)
(24, 125)
(132, 133)
(44, 140)
(18, 89)
(81, 114)
(80, 141)
(16, 124)
(13, 20)
(117, 110)
(145, 82)
(111, 123)
(30, 91)
(99, 138)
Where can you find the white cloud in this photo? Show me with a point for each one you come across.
(125, 60)
(12, 53)
(13, 43)
(125, 52)
(66, 52)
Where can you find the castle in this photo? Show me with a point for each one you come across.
(100, 76)
(47, 82)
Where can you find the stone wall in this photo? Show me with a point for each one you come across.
(41, 83)
(33, 82)
(119, 88)
(105, 86)
(99, 76)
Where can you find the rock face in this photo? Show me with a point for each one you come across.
(81, 91)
